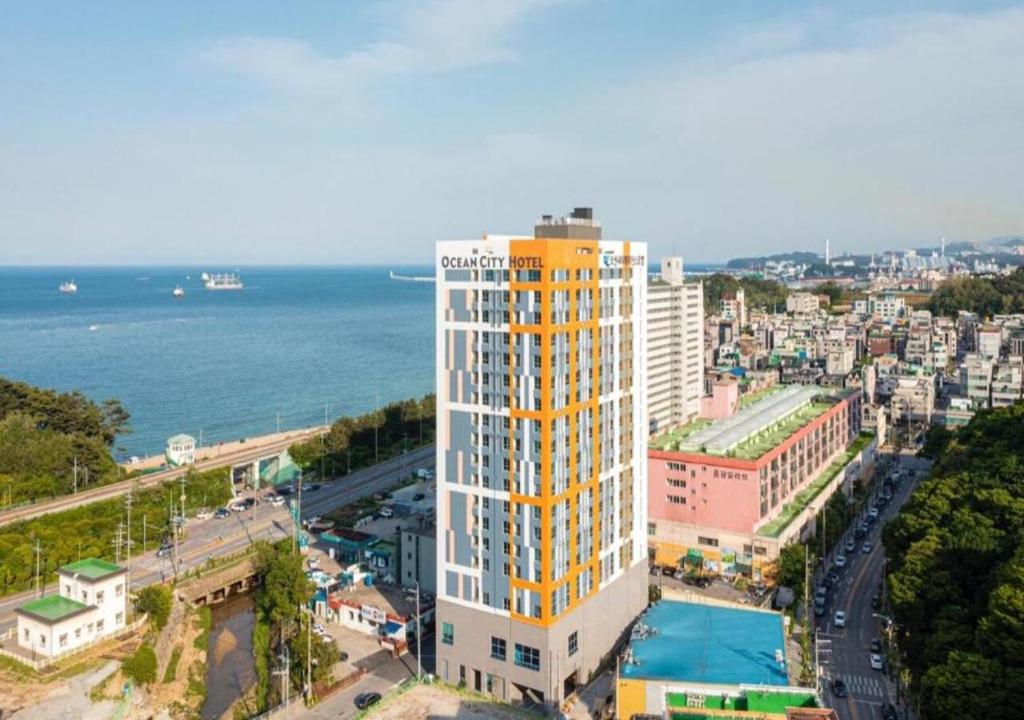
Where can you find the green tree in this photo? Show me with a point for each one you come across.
(324, 655)
(141, 667)
(792, 564)
(155, 600)
(936, 440)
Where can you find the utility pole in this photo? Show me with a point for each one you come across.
(283, 670)
(375, 454)
(143, 532)
(419, 634)
(128, 565)
(75, 471)
(309, 652)
(38, 551)
(323, 475)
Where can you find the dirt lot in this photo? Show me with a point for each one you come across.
(437, 701)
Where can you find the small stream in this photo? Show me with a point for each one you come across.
(230, 671)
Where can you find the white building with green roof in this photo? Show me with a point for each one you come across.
(181, 450)
(92, 603)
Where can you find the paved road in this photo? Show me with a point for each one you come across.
(217, 537)
(253, 449)
(845, 652)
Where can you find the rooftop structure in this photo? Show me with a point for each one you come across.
(91, 569)
(710, 644)
(760, 425)
(689, 660)
(52, 608)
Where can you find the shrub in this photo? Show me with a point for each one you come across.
(141, 667)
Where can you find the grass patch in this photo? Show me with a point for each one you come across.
(197, 681)
(14, 667)
(204, 620)
(172, 664)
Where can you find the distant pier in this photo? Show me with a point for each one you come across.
(412, 278)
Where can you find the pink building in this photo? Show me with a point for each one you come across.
(719, 485)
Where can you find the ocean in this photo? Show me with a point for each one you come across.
(225, 364)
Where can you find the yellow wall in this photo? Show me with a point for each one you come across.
(630, 698)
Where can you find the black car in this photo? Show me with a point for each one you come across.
(838, 688)
(165, 549)
(876, 602)
(889, 712)
(365, 700)
(860, 531)
(876, 646)
(313, 487)
(417, 497)
(222, 513)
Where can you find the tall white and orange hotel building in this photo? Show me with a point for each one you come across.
(541, 456)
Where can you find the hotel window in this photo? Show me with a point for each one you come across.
(447, 633)
(573, 644)
(99, 597)
(63, 641)
(99, 626)
(119, 619)
(119, 590)
(652, 529)
(498, 648)
(26, 634)
(527, 657)
(78, 633)
(712, 542)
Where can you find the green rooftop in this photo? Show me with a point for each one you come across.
(91, 568)
(53, 608)
(759, 443)
(670, 439)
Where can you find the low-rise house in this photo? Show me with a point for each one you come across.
(91, 604)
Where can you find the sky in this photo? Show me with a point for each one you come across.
(258, 132)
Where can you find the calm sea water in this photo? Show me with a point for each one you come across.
(223, 363)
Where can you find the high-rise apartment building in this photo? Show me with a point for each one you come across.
(675, 346)
(541, 456)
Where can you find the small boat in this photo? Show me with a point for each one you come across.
(68, 287)
(179, 292)
(94, 328)
(205, 276)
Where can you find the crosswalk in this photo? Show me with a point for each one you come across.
(868, 685)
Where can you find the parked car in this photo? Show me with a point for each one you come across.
(839, 619)
(876, 646)
(876, 602)
(860, 531)
(313, 562)
(418, 496)
(866, 548)
(365, 700)
(387, 512)
(840, 561)
(876, 662)
(838, 688)
(202, 514)
(222, 513)
(889, 712)
(851, 545)
(276, 500)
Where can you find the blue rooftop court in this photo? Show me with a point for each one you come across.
(709, 644)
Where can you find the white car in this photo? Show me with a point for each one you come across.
(866, 548)
(319, 629)
(840, 619)
(876, 662)
(840, 561)
(202, 514)
(851, 545)
(276, 500)
(314, 562)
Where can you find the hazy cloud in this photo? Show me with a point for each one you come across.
(427, 37)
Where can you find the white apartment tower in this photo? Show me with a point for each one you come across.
(541, 456)
(675, 347)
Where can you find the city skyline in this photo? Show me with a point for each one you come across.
(364, 134)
